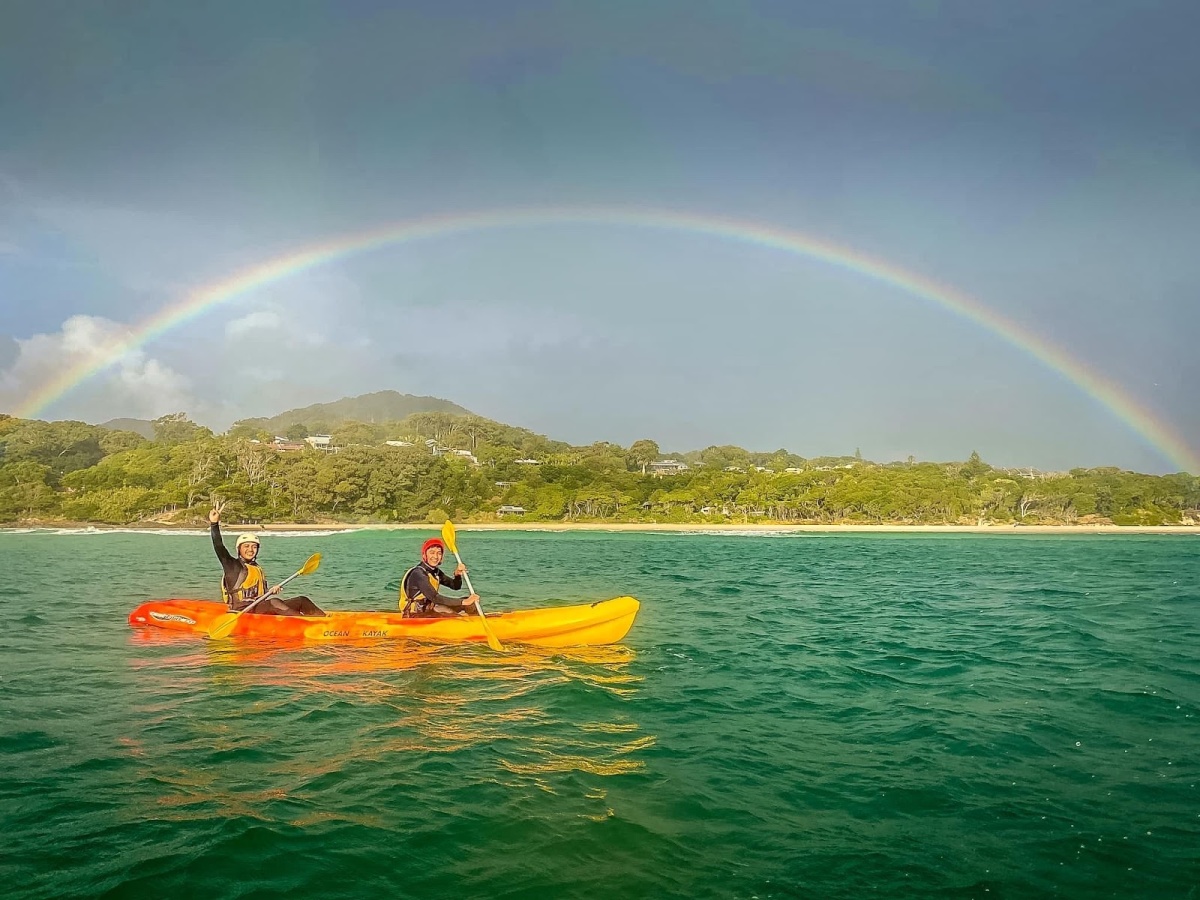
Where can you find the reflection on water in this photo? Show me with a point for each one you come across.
(266, 726)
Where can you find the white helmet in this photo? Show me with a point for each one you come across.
(247, 539)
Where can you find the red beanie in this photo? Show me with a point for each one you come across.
(432, 542)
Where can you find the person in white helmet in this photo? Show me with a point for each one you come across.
(244, 583)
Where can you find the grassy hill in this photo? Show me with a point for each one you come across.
(381, 406)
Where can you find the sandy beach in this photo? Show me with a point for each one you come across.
(659, 527)
(753, 527)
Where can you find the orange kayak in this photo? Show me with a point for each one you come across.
(602, 622)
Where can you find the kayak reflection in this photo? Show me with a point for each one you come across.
(296, 717)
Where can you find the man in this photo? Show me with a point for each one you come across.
(419, 588)
(244, 583)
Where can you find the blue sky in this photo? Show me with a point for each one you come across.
(1043, 158)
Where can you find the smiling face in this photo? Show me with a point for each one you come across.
(248, 551)
(434, 555)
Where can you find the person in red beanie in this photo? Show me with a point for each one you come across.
(420, 586)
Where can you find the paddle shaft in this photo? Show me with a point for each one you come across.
(458, 559)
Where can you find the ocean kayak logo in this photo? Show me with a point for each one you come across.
(172, 617)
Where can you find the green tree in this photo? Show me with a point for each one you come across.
(643, 452)
(177, 428)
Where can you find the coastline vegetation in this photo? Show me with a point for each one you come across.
(473, 469)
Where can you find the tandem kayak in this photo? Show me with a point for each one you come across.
(602, 622)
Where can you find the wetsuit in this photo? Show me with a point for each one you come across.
(244, 584)
(419, 597)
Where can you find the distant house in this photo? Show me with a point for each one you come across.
(320, 442)
(435, 448)
(793, 470)
(283, 445)
(667, 467)
(527, 462)
(734, 469)
(399, 443)
(505, 483)
(511, 511)
(465, 454)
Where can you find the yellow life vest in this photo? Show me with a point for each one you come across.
(251, 585)
(407, 603)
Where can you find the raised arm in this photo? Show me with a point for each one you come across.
(214, 528)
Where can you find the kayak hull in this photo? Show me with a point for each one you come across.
(603, 622)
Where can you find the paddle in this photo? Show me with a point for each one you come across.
(448, 537)
(224, 623)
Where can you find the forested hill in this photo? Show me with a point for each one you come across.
(144, 427)
(430, 465)
(381, 406)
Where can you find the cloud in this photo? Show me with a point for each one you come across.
(136, 385)
(252, 325)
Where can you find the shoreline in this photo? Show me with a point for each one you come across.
(634, 527)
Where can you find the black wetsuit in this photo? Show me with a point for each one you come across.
(234, 575)
(420, 588)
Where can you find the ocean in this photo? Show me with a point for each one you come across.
(801, 715)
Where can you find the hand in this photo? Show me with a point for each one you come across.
(471, 601)
(272, 591)
(460, 569)
(214, 515)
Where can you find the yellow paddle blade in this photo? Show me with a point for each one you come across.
(448, 537)
(311, 566)
(493, 641)
(222, 625)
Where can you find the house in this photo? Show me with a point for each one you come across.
(505, 483)
(434, 447)
(667, 467)
(399, 443)
(511, 511)
(465, 454)
(283, 445)
(793, 470)
(527, 462)
(320, 442)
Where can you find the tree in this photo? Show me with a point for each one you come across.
(177, 428)
(297, 431)
(643, 452)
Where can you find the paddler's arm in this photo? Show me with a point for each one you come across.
(428, 590)
(214, 529)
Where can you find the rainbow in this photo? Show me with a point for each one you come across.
(1107, 392)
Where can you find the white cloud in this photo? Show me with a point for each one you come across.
(252, 325)
(135, 385)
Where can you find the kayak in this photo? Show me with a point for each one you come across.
(602, 622)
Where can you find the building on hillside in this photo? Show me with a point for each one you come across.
(435, 448)
(527, 462)
(321, 442)
(399, 443)
(793, 470)
(505, 483)
(283, 445)
(465, 454)
(734, 469)
(667, 467)
(511, 511)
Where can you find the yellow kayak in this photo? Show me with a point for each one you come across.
(602, 622)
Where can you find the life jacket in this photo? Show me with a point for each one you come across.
(251, 584)
(418, 607)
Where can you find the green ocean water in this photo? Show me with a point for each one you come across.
(791, 716)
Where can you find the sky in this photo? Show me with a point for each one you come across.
(1042, 159)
